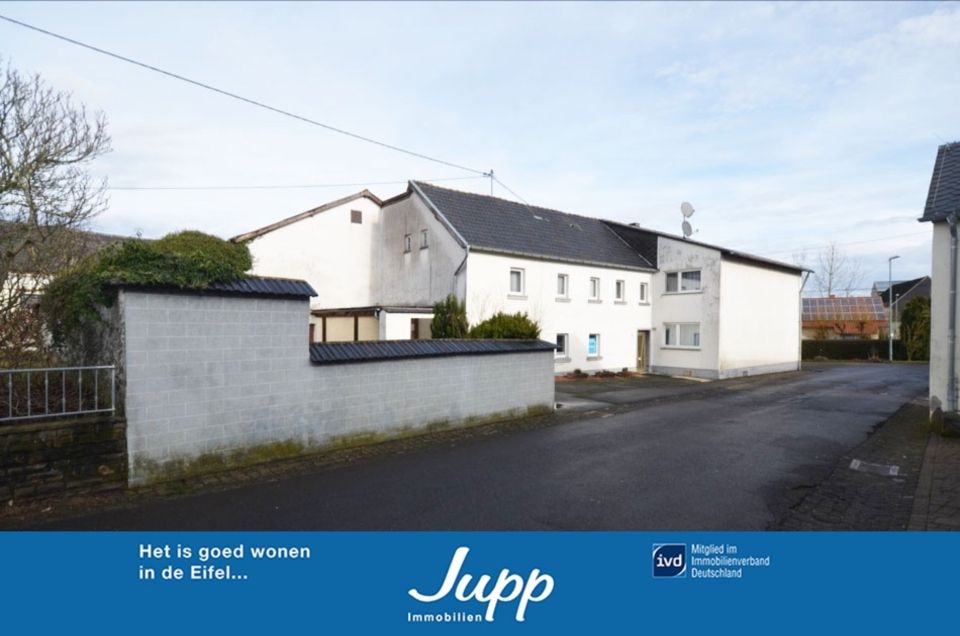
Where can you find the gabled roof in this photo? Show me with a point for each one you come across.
(493, 224)
(364, 194)
(853, 308)
(73, 244)
(901, 288)
(943, 198)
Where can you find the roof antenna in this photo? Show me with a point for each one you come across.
(687, 210)
(490, 176)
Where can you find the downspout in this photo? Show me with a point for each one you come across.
(952, 321)
(459, 269)
(806, 277)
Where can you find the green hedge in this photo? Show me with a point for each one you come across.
(851, 349)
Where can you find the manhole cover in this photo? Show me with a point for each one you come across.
(887, 470)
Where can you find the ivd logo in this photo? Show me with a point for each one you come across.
(669, 560)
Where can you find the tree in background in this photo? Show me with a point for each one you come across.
(835, 272)
(507, 326)
(915, 328)
(449, 318)
(47, 199)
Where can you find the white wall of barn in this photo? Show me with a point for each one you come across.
(336, 256)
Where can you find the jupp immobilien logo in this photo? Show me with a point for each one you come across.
(507, 588)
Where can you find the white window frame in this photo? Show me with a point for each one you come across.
(523, 282)
(595, 355)
(620, 291)
(676, 327)
(679, 275)
(565, 295)
(594, 298)
(423, 240)
(406, 243)
(644, 294)
(563, 354)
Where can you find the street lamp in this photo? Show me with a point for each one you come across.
(890, 303)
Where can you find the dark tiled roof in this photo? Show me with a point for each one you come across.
(902, 287)
(345, 352)
(260, 285)
(249, 286)
(645, 241)
(491, 223)
(72, 245)
(849, 308)
(943, 197)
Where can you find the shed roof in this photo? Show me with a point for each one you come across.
(346, 352)
(255, 286)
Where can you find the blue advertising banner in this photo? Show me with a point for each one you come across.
(457, 582)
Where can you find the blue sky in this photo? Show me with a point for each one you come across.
(786, 125)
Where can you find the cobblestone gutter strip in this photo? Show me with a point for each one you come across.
(937, 506)
(858, 500)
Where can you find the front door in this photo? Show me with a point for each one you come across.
(643, 338)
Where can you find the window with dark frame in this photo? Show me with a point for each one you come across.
(356, 216)
(561, 345)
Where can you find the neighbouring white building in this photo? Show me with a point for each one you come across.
(943, 210)
(611, 296)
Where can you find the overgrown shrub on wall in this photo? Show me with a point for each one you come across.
(74, 303)
(500, 326)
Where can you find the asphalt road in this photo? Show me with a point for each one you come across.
(643, 454)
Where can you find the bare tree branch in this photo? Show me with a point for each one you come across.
(47, 197)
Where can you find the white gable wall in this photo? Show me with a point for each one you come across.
(759, 320)
(701, 307)
(488, 292)
(335, 256)
(420, 277)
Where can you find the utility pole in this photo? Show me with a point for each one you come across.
(890, 304)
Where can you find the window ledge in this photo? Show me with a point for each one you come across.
(563, 299)
(680, 348)
(682, 293)
(595, 301)
(619, 302)
(425, 247)
(592, 358)
(562, 359)
(644, 303)
(517, 296)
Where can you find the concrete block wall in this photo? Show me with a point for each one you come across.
(211, 376)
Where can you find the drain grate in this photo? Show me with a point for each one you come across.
(887, 470)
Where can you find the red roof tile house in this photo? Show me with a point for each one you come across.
(853, 317)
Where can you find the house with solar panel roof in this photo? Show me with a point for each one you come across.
(611, 296)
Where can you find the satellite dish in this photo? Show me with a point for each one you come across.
(687, 229)
(686, 209)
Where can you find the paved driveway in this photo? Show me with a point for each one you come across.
(645, 453)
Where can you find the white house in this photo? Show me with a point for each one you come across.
(943, 209)
(611, 296)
